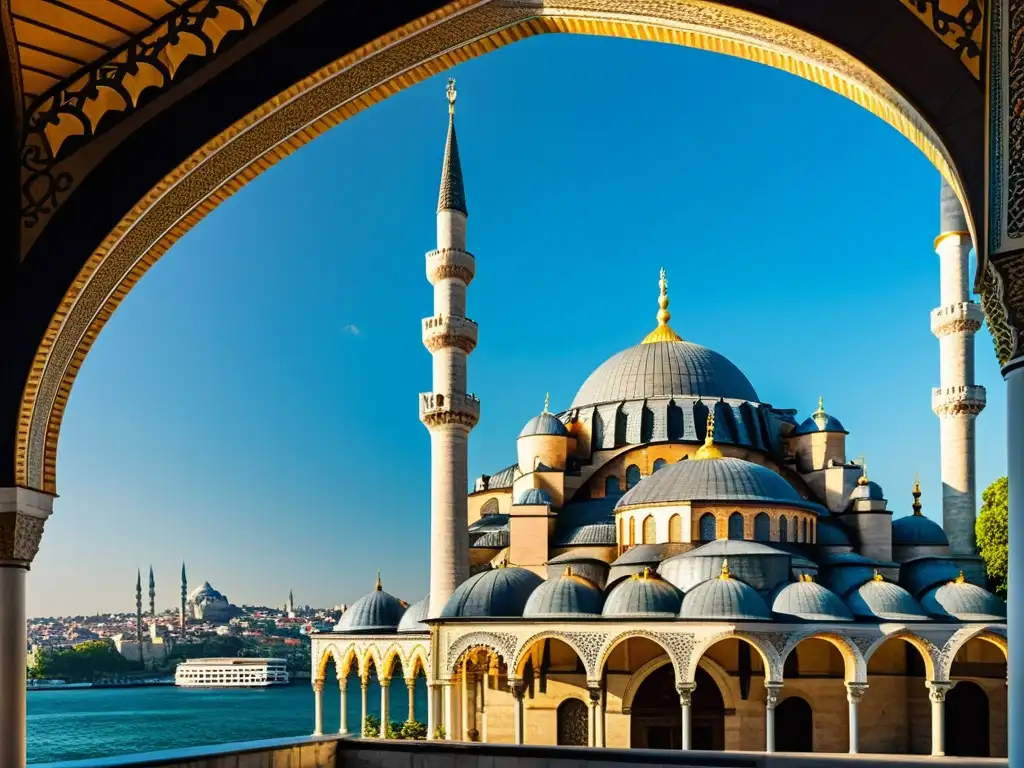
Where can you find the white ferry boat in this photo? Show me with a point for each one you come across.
(231, 673)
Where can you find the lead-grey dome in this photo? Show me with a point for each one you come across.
(643, 595)
(376, 612)
(497, 593)
(725, 479)
(412, 619)
(963, 601)
(534, 497)
(869, 491)
(809, 601)
(564, 596)
(544, 424)
(664, 369)
(918, 530)
(724, 598)
(884, 600)
(762, 567)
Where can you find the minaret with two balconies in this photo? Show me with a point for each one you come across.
(957, 401)
(448, 411)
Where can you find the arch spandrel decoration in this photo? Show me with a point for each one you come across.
(991, 634)
(763, 642)
(929, 651)
(856, 668)
(677, 645)
(502, 644)
(439, 40)
(586, 645)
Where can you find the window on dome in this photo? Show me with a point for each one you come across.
(632, 476)
(762, 527)
(659, 463)
(707, 527)
(675, 529)
(783, 529)
(611, 485)
(735, 526)
(650, 535)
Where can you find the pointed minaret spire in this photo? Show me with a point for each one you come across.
(138, 605)
(184, 597)
(916, 493)
(547, 402)
(663, 332)
(453, 195)
(152, 593)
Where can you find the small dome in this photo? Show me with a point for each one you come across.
(643, 595)
(918, 530)
(497, 593)
(376, 612)
(645, 554)
(544, 424)
(533, 496)
(809, 601)
(491, 540)
(724, 598)
(588, 535)
(759, 565)
(963, 601)
(878, 599)
(819, 421)
(412, 620)
(566, 596)
(832, 534)
(869, 491)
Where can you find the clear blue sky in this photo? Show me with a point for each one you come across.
(252, 406)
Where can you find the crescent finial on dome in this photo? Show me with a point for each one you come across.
(709, 450)
(663, 332)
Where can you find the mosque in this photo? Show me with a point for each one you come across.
(673, 562)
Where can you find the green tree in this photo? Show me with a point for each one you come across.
(992, 533)
(372, 728)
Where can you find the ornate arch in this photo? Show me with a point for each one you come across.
(676, 646)
(501, 644)
(351, 655)
(415, 662)
(371, 653)
(856, 668)
(765, 647)
(387, 669)
(715, 670)
(990, 634)
(585, 645)
(327, 654)
(929, 652)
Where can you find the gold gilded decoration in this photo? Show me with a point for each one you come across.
(709, 450)
(959, 578)
(644, 575)
(568, 571)
(877, 576)
(725, 570)
(960, 24)
(429, 45)
(916, 493)
(663, 332)
(20, 536)
(378, 587)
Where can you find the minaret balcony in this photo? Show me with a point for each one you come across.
(958, 401)
(438, 408)
(443, 331)
(962, 317)
(450, 262)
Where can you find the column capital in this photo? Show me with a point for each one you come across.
(23, 513)
(410, 682)
(594, 691)
(364, 683)
(343, 683)
(318, 685)
(772, 691)
(855, 692)
(937, 690)
(685, 691)
(384, 682)
(517, 686)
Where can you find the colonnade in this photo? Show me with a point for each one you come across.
(364, 684)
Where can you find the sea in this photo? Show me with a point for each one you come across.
(100, 722)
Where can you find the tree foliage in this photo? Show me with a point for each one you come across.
(992, 532)
(86, 662)
(372, 728)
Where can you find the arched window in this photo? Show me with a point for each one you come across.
(735, 526)
(632, 531)
(573, 723)
(659, 463)
(650, 534)
(675, 529)
(783, 529)
(490, 507)
(814, 531)
(803, 529)
(632, 476)
(611, 486)
(707, 527)
(622, 533)
(762, 527)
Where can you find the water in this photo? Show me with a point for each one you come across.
(77, 724)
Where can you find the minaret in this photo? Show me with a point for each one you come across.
(184, 597)
(957, 400)
(152, 593)
(448, 411)
(138, 606)
(291, 602)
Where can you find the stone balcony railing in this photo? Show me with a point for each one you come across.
(439, 408)
(450, 262)
(443, 331)
(956, 401)
(963, 317)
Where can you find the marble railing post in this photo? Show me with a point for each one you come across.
(937, 690)
(411, 685)
(519, 725)
(854, 693)
(318, 707)
(343, 716)
(364, 684)
(685, 691)
(771, 699)
(385, 705)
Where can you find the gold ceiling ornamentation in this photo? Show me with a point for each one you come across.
(427, 46)
(59, 120)
(960, 24)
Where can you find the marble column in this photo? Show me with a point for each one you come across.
(685, 691)
(937, 690)
(432, 709)
(23, 513)
(318, 707)
(343, 717)
(771, 699)
(385, 705)
(467, 713)
(1013, 373)
(449, 710)
(364, 684)
(485, 681)
(411, 685)
(854, 693)
(519, 715)
(596, 698)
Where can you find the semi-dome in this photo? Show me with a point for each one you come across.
(963, 601)
(412, 619)
(544, 424)
(918, 530)
(806, 600)
(882, 600)
(497, 593)
(533, 496)
(643, 595)
(724, 598)
(587, 535)
(491, 540)
(724, 479)
(376, 612)
(564, 596)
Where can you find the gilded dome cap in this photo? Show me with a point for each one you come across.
(963, 601)
(724, 598)
(566, 596)
(643, 595)
(497, 593)
(807, 600)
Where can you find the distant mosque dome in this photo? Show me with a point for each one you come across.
(207, 604)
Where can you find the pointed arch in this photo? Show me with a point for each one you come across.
(371, 655)
(415, 662)
(330, 653)
(387, 668)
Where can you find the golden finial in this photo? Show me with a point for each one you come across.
(644, 574)
(547, 402)
(452, 95)
(709, 450)
(663, 332)
(877, 576)
(863, 479)
(568, 570)
(960, 578)
(819, 416)
(725, 570)
(916, 493)
(379, 585)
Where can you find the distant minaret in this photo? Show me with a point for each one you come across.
(957, 400)
(184, 595)
(138, 605)
(152, 593)
(291, 602)
(448, 411)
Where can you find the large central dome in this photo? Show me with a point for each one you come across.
(664, 369)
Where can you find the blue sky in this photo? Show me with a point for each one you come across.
(251, 407)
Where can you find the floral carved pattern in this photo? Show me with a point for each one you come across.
(1003, 300)
(1014, 151)
(958, 23)
(501, 643)
(20, 536)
